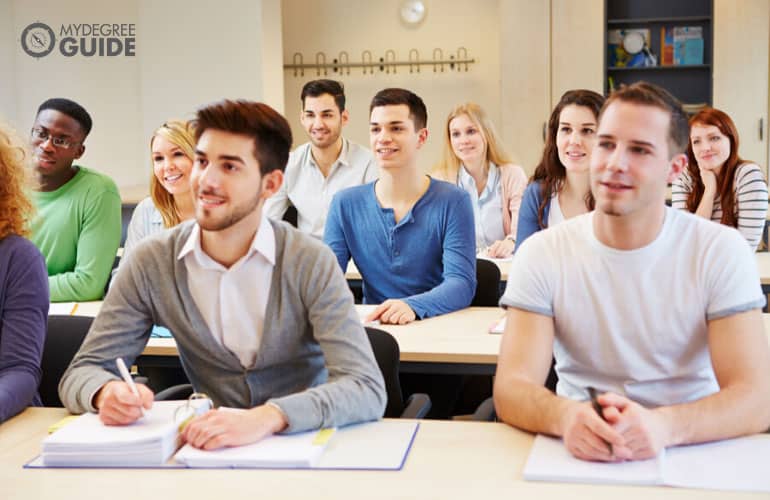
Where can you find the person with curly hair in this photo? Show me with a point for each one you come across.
(23, 285)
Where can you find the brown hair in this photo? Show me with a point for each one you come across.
(15, 208)
(182, 135)
(726, 177)
(550, 172)
(267, 127)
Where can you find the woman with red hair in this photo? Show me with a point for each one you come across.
(23, 284)
(718, 184)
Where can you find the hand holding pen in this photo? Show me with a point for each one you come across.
(589, 437)
(122, 402)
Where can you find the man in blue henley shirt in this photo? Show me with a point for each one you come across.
(411, 237)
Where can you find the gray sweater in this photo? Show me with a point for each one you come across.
(314, 361)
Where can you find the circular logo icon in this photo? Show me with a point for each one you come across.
(38, 39)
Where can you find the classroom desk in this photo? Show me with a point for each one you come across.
(456, 343)
(448, 460)
(352, 273)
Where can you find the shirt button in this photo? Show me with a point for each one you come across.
(397, 252)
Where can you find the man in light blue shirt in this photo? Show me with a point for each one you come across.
(325, 165)
(411, 237)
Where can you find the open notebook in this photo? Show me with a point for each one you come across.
(153, 440)
(734, 464)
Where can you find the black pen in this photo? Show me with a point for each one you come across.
(598, 409)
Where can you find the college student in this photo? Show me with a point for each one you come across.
(78, 222)
(559, 188)
(260, 312)
(676, 363)
(324, 165)
(410, 236)
(717, 183)
(474, 160)
(172, 150)
(23, 285)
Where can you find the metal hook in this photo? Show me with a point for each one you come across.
(439, 58)
(344, 59)
(416, 60)
(296, 60)
(390, 56)
(320, 61)
(462, 54)
(366, 60)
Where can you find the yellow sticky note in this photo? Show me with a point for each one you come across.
(61, 423)
(323, 437)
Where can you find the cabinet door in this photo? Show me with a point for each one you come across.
(577, 37)
(741, 44)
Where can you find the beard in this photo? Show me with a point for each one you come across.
(208, 222)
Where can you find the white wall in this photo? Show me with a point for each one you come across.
(187, 54)
(332, 26)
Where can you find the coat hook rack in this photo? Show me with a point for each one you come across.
(388, 63)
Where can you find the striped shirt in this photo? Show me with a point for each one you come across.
(750, 200)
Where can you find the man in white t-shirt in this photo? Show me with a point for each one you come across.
(328, 163)
(657, 309)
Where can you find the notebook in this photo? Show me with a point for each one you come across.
(290, 451)
(86, 441)
(735, 464)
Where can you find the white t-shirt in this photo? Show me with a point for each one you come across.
(555, 215)
(635, 322)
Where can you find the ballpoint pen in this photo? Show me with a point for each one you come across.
(598, 409)
(127, 379)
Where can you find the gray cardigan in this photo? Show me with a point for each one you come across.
(314, 362)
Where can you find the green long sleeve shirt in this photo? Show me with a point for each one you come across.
(77, 229)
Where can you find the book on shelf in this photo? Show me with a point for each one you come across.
(666, 46)
(695, 107)
(688, 45)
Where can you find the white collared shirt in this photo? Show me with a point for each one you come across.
(233, 301)
(305, 187)
(487, 207)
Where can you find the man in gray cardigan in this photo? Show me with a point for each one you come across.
(261, 313)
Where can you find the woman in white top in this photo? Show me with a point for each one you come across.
(172, 150)
(474, 160)
(717, 183)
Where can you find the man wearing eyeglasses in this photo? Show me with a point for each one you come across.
(77, 227)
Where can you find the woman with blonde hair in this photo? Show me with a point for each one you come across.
(172, 150)
(474, 160)
(718, 184)
(24, 298)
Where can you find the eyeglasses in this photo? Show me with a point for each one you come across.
(42, 135)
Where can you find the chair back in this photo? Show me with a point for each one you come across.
(387, 354)
(290, 215)
(487, 284)
(64, 337)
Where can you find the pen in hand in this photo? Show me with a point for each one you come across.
(598, 409)
(127, 379)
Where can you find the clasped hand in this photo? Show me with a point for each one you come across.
(628, 431)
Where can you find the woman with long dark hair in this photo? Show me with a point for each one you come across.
(560, 188)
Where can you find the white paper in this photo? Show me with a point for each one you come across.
(549, 460)
(60, 308)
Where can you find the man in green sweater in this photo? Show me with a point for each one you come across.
(78, 223)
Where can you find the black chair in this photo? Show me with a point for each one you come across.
(487, 284)
(64, 337)
(290, 215)
(386, 353)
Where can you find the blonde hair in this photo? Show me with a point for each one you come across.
(449, 166)
(16, 210)
(181, 134)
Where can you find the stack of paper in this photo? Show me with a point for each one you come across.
(734, 464)
(291, 451)
(88, 442)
